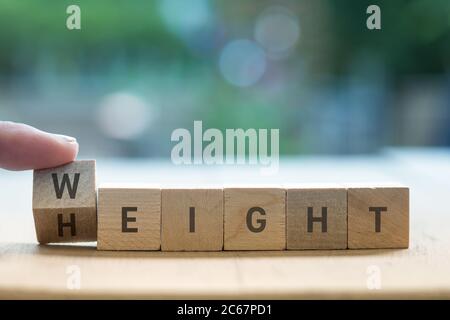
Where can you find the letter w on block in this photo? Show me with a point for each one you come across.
(64, 203)
(71, 188)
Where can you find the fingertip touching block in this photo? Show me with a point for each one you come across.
(316, 218)
(64, 203)
(129, 218)
(192, 220)
(255, 219)
(378, 217)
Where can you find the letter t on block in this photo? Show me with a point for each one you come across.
(378, 217)
(64, 203)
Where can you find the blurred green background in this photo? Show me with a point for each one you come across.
(137, 70)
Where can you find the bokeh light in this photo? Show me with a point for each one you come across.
(242, 62)
(277, 30)
(310, 68)
(185, 17)
(123, 116)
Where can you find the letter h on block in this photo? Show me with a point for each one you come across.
(64, 203)
(316, 218)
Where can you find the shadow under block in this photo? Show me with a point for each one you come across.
(316, 218)
(64, 203)
(255, 219)
(378, 218)
(129, 218)
(192, 220)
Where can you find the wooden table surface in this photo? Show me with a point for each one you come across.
(28, 270)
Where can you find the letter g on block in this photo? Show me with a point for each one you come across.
(261, 222)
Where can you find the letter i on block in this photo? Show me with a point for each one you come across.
(129, 218)
(316, 218)
(64, 203)
(192, 219)
(378, 217)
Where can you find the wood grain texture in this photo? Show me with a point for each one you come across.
(29, 270)
(66, 192)
(390, 229)
(192, 220)
(129, 218)
(328, 233)
(269, 225)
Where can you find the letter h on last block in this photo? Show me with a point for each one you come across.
(64, 203)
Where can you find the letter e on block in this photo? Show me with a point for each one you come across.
(64, 203)
(129, 218)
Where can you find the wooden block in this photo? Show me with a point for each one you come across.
(316, 218)
(255, 219)
(129, 218)
(64, 203)
(378, 217)
(192, 220)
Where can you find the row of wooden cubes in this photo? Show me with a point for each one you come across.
(66, 209)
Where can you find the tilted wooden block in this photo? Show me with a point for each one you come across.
(192, 220)
(316, 218)
(255, 219)
(129, 218)
(64, 203)
(378, 217)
